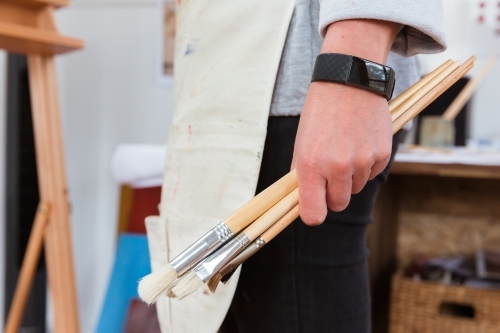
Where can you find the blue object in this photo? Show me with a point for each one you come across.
(131, 264)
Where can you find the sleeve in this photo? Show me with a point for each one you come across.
(422, 21)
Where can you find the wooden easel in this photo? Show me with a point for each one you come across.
(28, 27)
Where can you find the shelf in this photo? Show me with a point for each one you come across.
(446, 170)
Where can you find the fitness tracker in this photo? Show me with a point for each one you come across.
(354, 71)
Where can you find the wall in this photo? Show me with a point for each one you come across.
(109, 95)
(467, 37)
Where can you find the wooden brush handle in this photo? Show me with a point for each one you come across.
(262, 202)
(434, 93)
(439, 78)
(397, 112)
(264, 222)
(458, 76)
(393, 104)
(281, 224)
(409, 104)
(466, 66)
(466, 93)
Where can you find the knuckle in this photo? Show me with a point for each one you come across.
(384, 153)
(383, 156)
(341, 167)
(365, 161)
(308, 166)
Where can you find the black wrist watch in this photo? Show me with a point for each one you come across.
(354, 71)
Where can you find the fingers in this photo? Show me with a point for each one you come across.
(380, 163)
(343, 140)
(335, 185)
(359, 179)
(339, 193)
(312, 195)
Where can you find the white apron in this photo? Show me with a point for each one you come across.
(226, 61)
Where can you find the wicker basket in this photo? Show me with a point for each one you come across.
(427, 307)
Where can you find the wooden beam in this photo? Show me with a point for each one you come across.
(39, 3)
(32, 30)
(30, 261)
(53, 190)
(28, 26)
(28, 40)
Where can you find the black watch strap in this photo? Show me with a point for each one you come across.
(354, 71)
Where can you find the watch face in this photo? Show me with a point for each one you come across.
(372, 75)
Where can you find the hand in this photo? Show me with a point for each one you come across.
(345, 134)
(344, 139)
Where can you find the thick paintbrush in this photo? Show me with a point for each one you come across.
(403, 108)
(160, 281)
(226, 272)
(212, 264)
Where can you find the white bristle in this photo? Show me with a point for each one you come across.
(168, 291)
(153, 285)
(187, 284)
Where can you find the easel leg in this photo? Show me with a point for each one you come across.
(53, 190)
(27, 273)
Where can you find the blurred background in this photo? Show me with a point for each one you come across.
(117, 90)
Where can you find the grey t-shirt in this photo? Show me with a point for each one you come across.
(304, 42)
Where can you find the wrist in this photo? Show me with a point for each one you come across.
(354, 71)
(368, 39)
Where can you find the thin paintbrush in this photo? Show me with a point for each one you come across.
(395, 102)
(225, 273)
(201, 273)
(158, 282)
(397, 107)
(155, 284)
(424, 89)
(433, 93)
(465, 94)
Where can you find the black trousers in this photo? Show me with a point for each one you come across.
(307, 279)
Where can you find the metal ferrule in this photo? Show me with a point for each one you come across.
(204, 246)
(260, 242)
(211, 265)
(247, 252)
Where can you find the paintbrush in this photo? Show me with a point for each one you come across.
(428, 93)
(466, 93)
(207, 268)
(397, 107)
(402, 110)
(159, 282)
(430, 87)
(227, 271)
